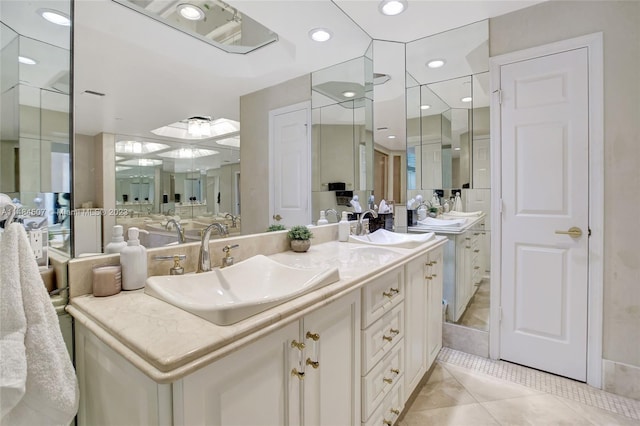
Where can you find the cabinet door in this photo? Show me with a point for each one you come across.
(332, 386)
(415, 323)
(250, 387)
(434, 323)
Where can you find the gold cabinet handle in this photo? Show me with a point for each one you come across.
(298, 374)
(435, 262)
(297, 345)
(314, 364)
(428, 277)
(387, 338)
(434, 275)
(476, 267)
(277, 217)
(476, 251)
(395, 411)
(387, 294)
(394, 331)
(386, 422)
(468, 247)
(313, 336)
(384, 379)
(395, 371)
(394, 290)
(573, 232)
(428, 264)
(467, 238)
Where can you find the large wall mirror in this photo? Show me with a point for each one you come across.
(447, 95)
(35, 104)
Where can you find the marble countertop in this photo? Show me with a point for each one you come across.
(471, 222)
(167, 343)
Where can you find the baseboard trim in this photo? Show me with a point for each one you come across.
(621, 379)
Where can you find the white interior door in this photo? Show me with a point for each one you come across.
(291, 166)
(545, 175)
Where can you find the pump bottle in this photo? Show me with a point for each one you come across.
(344, 227)
(323, 219)
(133, 259)
(117, 241)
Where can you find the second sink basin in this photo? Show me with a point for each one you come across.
(226, 296)
(382, 237)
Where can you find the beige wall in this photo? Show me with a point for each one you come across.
(620, 23)
(84, 170)
(254, 147)
(226, 174)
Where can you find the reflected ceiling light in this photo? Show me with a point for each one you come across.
(187, 153)
(348, 94)
(391, 137)
(199, 127)
(136, 147)
(196, 128)
(122, 168)
(436, 63)
(234, 142)
(423, 107)
(392, 7)
(55, 17)
(320, 34)
(143, 162)
(26, 60)
(456, 149)
(466, 99)
(190, 12)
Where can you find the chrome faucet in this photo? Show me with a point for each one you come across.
(204, 258)
(178, 228)
(334, 211)
(360, 226)
(233, 218)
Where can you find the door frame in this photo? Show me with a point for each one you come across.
(594, 45)
(306, 105)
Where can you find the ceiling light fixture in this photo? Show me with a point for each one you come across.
(391, 137)
(392, 7)
(348, 94)
(466, 99)
(320, 34)
(55, 17)
(136, 147)
(199, 127)
(456, 149)
(423, 107)
(190, 12)
(436, 63)
(26, 60)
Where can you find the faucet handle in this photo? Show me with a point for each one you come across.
(177, 269)
(227, 260)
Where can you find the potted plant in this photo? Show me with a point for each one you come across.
(300, 238)
(276, 227)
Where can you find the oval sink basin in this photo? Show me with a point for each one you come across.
(382, 237)
(443, 223)
(226, 296)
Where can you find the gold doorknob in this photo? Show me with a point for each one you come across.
(573, 232)
(277, 217)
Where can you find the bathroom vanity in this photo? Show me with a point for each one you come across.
(351, 352)
(465, 262)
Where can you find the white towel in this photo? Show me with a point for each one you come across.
(463, 214)
(448, 223)
(51, 388)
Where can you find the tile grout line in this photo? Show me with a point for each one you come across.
(545, 382)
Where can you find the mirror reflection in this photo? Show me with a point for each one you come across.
(35, 103)
(448, 185)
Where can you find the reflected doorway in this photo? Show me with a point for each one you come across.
(380, 175)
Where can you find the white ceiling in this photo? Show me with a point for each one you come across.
(152, 74)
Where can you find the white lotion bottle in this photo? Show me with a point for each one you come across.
(117, 240)
(323, 219)
(344, 227)
(133, 259)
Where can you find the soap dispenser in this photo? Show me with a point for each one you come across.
(133, 259)
(344, 227)
(117, 240)
(323, 219)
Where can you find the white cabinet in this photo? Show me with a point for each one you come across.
(304, 374)
(461, 259)
(423, 316)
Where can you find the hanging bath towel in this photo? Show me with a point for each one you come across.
(51, 388)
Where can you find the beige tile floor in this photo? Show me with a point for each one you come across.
(477, 313)
(464, 396)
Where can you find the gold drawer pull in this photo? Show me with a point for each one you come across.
(389, 295)
(476, 267)
(394, 331)
(428, 277)
(394, 290)
(313, 336)
(384, 379)
(314, 364)
(434, 275)
(395, 411)
(467, 238)
(435, 262)
(297, 345)
(467, 247)
(428, 264)
(395, 371)
(476, 251)
(298, 374)
(386, 422)
(387, 338)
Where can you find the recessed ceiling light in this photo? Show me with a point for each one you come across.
(423, 107)
(436, 63)
(27, 61)
(55, 17)
(348, 94)
(391, 137)
(467, 99)
(392, 7)
(190, 12)
(456, 149)
(320, 34)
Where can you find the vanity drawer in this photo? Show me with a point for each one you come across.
(380, 337)
(388, 411)
(381, 295)
(381, 379)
